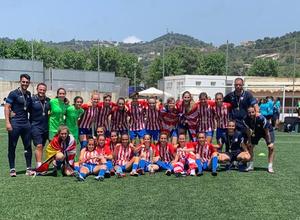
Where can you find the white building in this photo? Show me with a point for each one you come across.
(176, 85)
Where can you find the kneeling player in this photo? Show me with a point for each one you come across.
(235, 148)
(166, 153)
(184, 162)
(147, 153)
(206, 155)
(258, 127)
(91, 162)
(124, 157)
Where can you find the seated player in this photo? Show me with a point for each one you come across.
(147, 154)
(166, 153)
(103, 149)
(235, 147)
(258, 127)
(62, 148)
(184, 162)
(91, 162)
(124, 157)
(206, 155)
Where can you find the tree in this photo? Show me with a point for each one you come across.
(264, 67)
(213, 64)
(19, 49)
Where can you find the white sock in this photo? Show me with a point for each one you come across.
(270, 165)
(38, 164)
(250, 164)
(193, 172)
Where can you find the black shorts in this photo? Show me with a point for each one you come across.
(39, 136)
(257, 137)
(233, 155)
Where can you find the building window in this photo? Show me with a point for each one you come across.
(179, 85)
(169, 85)
(213, 83)
(198, 83)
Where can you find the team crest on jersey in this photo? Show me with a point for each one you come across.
(236, 140)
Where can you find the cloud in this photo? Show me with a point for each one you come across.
(131, 40)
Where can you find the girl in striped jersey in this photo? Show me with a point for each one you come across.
(166, 153)
(206, 121)
(136, 110)
(148, 154)
(185, 158)
(189, 114)
(206, 155)
(105, 110)
(113, 140)
(91, 162)
(103, 149)
(124, 157)
(88, 119)
(168, 116)
(119, 122)
(221, 112)
(152, 122)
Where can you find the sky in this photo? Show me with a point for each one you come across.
(212, 21)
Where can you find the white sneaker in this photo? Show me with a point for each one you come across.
(270, 170)
(250, 167)
(193, 172)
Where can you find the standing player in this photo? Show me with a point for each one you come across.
(73, 115)
(119, 115)
(39, 109)
(91, 162)
(152, 122)
(240, 100)
(148, 154)
(168, 116)
(184, 162)
(206, 116)
(17, 123)
(105, 109)
(124, 157)
(166, 153)
(62, 148)
(58, 107)
(206, 155)
(258, 127)
(221, 112)
(235, 147)
(136, 110)
(189, 114)
(88, 119)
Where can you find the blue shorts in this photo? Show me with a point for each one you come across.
(174, 132)
(85, 131)
(209, 133)
(140, 134)
(154, 134)
(90, 167)
(145, 168)
(220, 132)
(38, 136)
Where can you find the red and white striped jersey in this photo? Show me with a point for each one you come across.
(188, 117)
(123, 154)
(169, 119)
(204, 151)
(206, 120)
(103, 116)
(181, 153)
(149, 152)
(90, 157)
(119, 120)
(88, 117)
(137, 116)
(222, 114)
(152, 120)
(105, 150)
(166, 153)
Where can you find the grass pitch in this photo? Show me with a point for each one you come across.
(230, 195)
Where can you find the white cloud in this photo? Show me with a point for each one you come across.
(131, 40)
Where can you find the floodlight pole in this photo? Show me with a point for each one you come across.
(226, 63)
(98, 63)
(163, 71)
(294, 75)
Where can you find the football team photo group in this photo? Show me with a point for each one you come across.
(136, 136)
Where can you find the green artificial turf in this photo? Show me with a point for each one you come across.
(230, 195)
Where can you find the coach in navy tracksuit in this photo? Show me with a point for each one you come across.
(17, 123)
(240, 101)
(39, 121)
